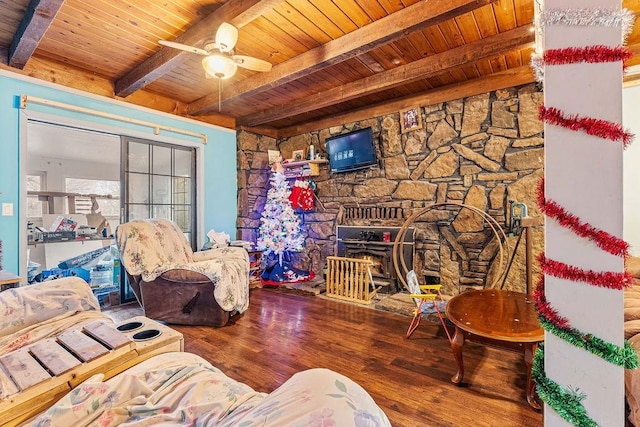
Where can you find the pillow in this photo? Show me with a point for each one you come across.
(25, 306)
(632, 266)
(631, 313)
(631, 328)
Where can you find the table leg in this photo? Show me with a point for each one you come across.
(456, 347)
(529, 351)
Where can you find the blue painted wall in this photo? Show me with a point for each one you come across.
(220, 178)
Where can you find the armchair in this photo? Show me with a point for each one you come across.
(175, 285)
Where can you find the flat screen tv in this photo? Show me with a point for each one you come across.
(351, 151)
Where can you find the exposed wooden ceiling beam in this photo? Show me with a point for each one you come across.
(380, 32)
(34, 25)
(237, 12)
(420, 69)
(501, 80)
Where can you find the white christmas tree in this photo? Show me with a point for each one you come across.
(279, 225)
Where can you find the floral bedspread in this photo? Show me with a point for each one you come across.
(151, 247)
(184, 389)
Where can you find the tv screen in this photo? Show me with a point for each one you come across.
(351, 151)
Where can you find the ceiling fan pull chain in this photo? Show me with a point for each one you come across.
(219, 94)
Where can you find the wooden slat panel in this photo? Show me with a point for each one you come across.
(485, 20)
(23, 368)
(302, 22)
(524, 11)
(468, 28)
(53, 356)
(354, 11)
(337, 16)
(372, 8)
(81, 345)
(290, 29)
(314, 15)
(505, 15)
(106, 334)
(7, 386)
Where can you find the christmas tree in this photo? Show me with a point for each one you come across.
(280, 232)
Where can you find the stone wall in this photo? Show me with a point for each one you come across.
(483, 151)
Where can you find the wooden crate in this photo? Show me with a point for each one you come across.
(350, 279)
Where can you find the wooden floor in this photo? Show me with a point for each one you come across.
(283, 333)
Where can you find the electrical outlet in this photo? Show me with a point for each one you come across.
(7, 209)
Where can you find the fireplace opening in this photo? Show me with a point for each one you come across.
(376, 244)
(377, 261)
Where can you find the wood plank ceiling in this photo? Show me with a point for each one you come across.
(333, 60)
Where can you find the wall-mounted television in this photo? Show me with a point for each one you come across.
(351, 151)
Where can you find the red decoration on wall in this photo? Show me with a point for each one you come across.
(606, 241)
(595, 127)
(590, 54)
(545, 309)
(607, 279)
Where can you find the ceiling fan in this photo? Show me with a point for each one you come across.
(219, 58)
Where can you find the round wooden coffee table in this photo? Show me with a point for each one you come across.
(504, 318)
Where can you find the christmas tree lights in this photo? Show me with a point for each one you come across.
(280, 233)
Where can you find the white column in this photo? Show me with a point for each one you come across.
(584, 175)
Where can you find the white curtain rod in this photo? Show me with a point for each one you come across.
(24, 99)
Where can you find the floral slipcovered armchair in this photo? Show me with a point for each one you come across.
(175, 285)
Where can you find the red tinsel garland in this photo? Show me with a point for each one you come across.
(606, 241)
(607, 279)
(590, 54)
(545, 309)
(596, 127)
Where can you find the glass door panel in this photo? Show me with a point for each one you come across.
(158, 183)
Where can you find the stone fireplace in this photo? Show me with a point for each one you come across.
(485, 151)
(368, 242)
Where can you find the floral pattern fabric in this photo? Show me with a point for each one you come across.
(32, 313)
(184, 389)
(153, 246)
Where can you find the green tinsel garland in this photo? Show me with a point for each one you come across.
(568, 404)
(621, 356)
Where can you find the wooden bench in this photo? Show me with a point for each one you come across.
(34, 377)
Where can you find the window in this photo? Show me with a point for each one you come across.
(109, 207)
(160, 183)
(34, 205)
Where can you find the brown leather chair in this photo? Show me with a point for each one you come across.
(175, 285)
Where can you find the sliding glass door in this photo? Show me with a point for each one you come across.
(159, 181)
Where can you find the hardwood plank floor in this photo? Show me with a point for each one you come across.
(282, 333)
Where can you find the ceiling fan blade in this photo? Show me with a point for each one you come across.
(184, 47)
(251, 63)
(226, 37)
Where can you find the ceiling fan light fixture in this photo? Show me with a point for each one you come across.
(219, 66)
